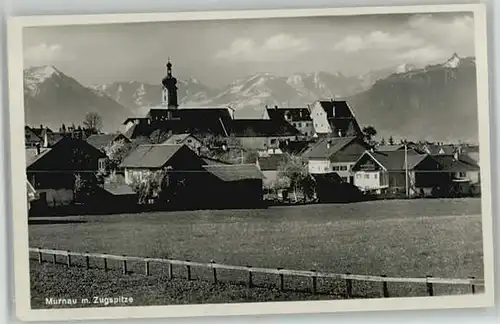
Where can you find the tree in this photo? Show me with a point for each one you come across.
(162, 186)
(84, 186)
(295, 173)
(159, 136)
(391, 140)
(116, 152)
(382, 141)
(93, 122)
(369, 133)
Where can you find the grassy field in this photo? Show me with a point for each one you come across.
(396, 238)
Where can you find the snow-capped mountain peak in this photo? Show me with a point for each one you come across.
(453, 62)
(405, 67)
(42, 73)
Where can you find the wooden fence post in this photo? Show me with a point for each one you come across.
(188, 268)
(124, 265)
(146, 268)
(348, 286)
(170, 271)
(40, 256)
(250, 279)
(472, 286)
(69, 259)
(54, 257)
(313, 283)
(215, 271)
(105, 258)
(430, 288)
(385, 290)
(282, 280)
(87, 260)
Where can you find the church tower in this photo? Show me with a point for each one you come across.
(169, 88)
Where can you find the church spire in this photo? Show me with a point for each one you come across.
(169, 84)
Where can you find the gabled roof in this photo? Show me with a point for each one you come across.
(262, 128)
(294, 114)
(213, 161)
(102, 140)
(178, 138)
(388, 148)
(32, 155)
(271, 162)
(235, 172)
(342, 109)
(450, 164)
(68, 154)
(395, 160)
(327, 147)
(434, 149)
(151, 156)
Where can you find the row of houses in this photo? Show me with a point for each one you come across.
(52, 173)
(411, 168)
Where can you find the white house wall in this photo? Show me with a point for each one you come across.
(320, 119)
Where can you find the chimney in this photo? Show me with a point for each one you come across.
(45, 139)
(276, 107)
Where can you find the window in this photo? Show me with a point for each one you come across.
(367, 176)
(462, 174)
(326, 169)
(358, 176)
(101, 164)
(190, 141)
(344, 168)
(273, 141)
(375, 176)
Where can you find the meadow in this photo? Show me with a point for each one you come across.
(410, 238)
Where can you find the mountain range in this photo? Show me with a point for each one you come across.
(395, 99)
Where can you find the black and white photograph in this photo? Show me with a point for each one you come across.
(250, 160)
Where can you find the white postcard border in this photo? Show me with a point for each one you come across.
(18, 194)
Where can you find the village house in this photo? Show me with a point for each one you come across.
(262, 134)
(462, 171)
(190, 140)
(300, 118)
(148, 158)
(335, 154)
(376, 171)
(269, 165)
(334, 118)
(231, 186)
(52, 170)
(42, 136)
(205, 183)
(101, 141)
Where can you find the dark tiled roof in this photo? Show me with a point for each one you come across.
(235, 172)
(262, 128)
(388, 148)
(150, 156)
(326, 147)
(102, 140)
(201, 125)
(191, 113)
(271, 162)
(449, 163)
(294, 114)
(342, 109)
(212, 161)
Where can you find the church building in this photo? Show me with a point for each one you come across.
(169, 118)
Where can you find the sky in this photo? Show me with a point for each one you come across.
(218, 52)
